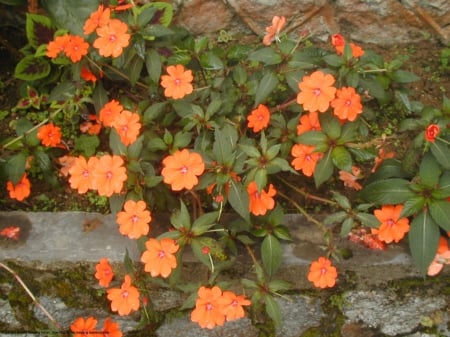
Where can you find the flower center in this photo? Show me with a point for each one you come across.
(109, 175)
(125, 294)
(161, 254)
(348, 102)
(323, 271)
(317, 92)
(183, 169)
(112, 38)
(308, 157)
(390, 222)
(177, 81)
(234, 303)
(134, 219)
(209, 306)
(85, 174)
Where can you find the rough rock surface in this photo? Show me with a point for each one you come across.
(381, 22)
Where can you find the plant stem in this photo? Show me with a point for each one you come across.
(305, 213)
(35, 300)
(308, 195)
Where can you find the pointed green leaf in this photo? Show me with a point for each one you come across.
(342, 159)
(440, 212)
(180, 218)
(429, 171)
(266, 55)
(238, 198)
(412, 206)
(265, 87)
(324, 169)
(423, 240)
(441, 152)
(153, 65)
(273, 310)
(271, 254)
(368, 220)
(312, 138)
(211, 61)
(330, 125)
(224, 143)
(115, 143)
(388, 191)
(402, 76)
(204, 222)
(15, 167)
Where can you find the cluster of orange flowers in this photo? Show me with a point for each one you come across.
(88, 327)
(213, 307)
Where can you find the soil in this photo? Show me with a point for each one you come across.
(423, 59)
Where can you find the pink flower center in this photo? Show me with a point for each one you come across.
(348, 102)
(177, 81)
(308, 157)
(112, 38)
(183, 169)
(161, 254)
(209, 307)
(323, 271)
(234, 303)
(109, 175)
(125, 294)
(134, 219)
(390, 222)
(85, 174)
(317, 92)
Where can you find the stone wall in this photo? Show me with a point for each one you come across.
(382, 22)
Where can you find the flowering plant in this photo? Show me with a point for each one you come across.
(158, 120)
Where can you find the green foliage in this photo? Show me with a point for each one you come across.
(230, 81)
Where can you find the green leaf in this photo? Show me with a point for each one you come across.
(266, 55)
(116, 145)
(238, 198)
(182, 139)
(265, 87)
(387, 191)
(368, 220)
(15, 167)
(402, 76)
(423, 240)
(440, 212)
(312, 138)
(271, 254)
(324, 169)
(39, 29)
(166, 9)
(333, 218)
(342, 201)
(134, 69)
(180, 218)
(43, 160)
(273, 310)
(211, 61)
(429, 171)
(224, 143)
(374, 88)
(333, 60)
(412, 206)
(204, 222)
(87, 144)
(330, 125)
(441, 152)
(63, 91)
(153, 65)
(70, 15)
(342, 159)
(347, 226)
(444, 185)
(32, 68)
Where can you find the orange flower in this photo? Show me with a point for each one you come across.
(109, 175)
(111, 329)
(316, 91)
(347, 104)
(338, 41)
(87, 75)
(125, 299)
(232, 305)
(159, 258)
(127, 126)
(442, 257)
(382, 155)
(76, 48)
(208, 309)
(104, 272)
(273, 31)
(305, 158)
(309, 122)
(322, 274)
(181, 169)
(134, 220)
(113, 37)
(11, 232)
(21, 190)
(57, 46)
(66, 162)
(349, 179)
(259, 118)
(432, 132)
(392, 227)
(97, 19)
(81, 174)
(178, 82)
(83, 328)
(110, 112)
(260, 201)
(49, 135)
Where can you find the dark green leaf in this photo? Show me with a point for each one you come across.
(423, 240)
(15, 167)
(43, 160)
(342, 158)
(238, 199)
(153, 65)
(32, 68)
(180, 218)
(441, 152)
(429, 171)
(265, 87)
(224, 143)
(440, 212)
(204, 222)
(324, 169)
(273, 310)
(211, 61)
(387, 191)
(402, 76)
(271, 254)
(39, 29)
(412, 206)
(266, 55)
(368, 220)
(87, 144)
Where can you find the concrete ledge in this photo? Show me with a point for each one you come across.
(379, 293)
